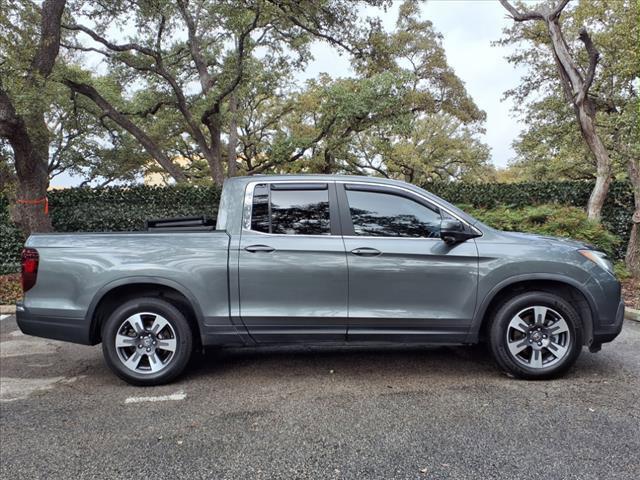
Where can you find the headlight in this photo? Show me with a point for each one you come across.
(598, 258)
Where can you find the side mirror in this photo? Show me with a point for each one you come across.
(454, 231)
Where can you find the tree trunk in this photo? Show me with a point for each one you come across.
(576, 88)
(586, 116)
(214, 157)
(329, 163)
(31, 159)
(232, 166)
(632, 259)
(31, 153)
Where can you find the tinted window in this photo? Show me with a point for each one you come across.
(260, 212)
(378, 214)
(290, 212)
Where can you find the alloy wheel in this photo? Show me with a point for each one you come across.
(538, 337)
(146, 343)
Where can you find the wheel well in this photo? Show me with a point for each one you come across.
(118, 295)
(570, 293)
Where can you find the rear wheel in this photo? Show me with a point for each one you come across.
(536, 335)
(147, 341)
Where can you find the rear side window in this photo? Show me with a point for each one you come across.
(290, 211)
(377, 214)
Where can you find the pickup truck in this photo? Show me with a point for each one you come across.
(319, 260)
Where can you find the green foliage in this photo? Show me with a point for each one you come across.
(553, 220)
(508, 206)
(11, 240)
(120, 209)
(621, 270)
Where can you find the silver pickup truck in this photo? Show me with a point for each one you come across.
(319, 259)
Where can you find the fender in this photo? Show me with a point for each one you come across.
(476, 324)
(143, 279)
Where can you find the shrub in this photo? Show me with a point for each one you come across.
(10, 289)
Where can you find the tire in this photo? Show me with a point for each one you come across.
(533, 322)
(147, 341)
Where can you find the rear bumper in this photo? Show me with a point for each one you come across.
(75, 330)
(606, 333)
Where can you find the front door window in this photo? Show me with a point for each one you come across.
(376, 214)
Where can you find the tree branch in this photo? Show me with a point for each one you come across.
(206, 80)
(152, 110)
(149, 145)
(83, 49)
(521, 16)
(157, 67)
(126, 47)
(49, 45)
(294, 17)
(557, 10)
(239, 72)
(594, 56)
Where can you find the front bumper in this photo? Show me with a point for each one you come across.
(57, 328)
(606, 333)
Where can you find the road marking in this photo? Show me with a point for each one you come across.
(161, 398)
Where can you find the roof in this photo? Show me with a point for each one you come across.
(321, 178)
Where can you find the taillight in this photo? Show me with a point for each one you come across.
(30, 260)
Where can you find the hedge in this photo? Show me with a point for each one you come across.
(108, 209)
(11, 240)
(126, 208)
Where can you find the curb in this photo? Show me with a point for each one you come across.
(631, 314)
(7, 309)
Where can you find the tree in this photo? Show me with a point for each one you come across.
(195, 76)
(27, 58)
(438, 147)
(550, 147)
(404, 98)
(576, 82)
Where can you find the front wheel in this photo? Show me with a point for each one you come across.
(147, 341)
(536, 335)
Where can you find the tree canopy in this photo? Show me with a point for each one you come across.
(203, 89)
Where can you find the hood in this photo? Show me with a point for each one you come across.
(559, 241)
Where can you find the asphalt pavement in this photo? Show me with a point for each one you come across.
(415, 413)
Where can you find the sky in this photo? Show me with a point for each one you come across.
(468, 28)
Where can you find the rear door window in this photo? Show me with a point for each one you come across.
(287, 209)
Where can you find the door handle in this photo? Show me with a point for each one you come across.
(366, 252)
(259, 248)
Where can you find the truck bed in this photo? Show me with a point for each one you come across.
(77, 268)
